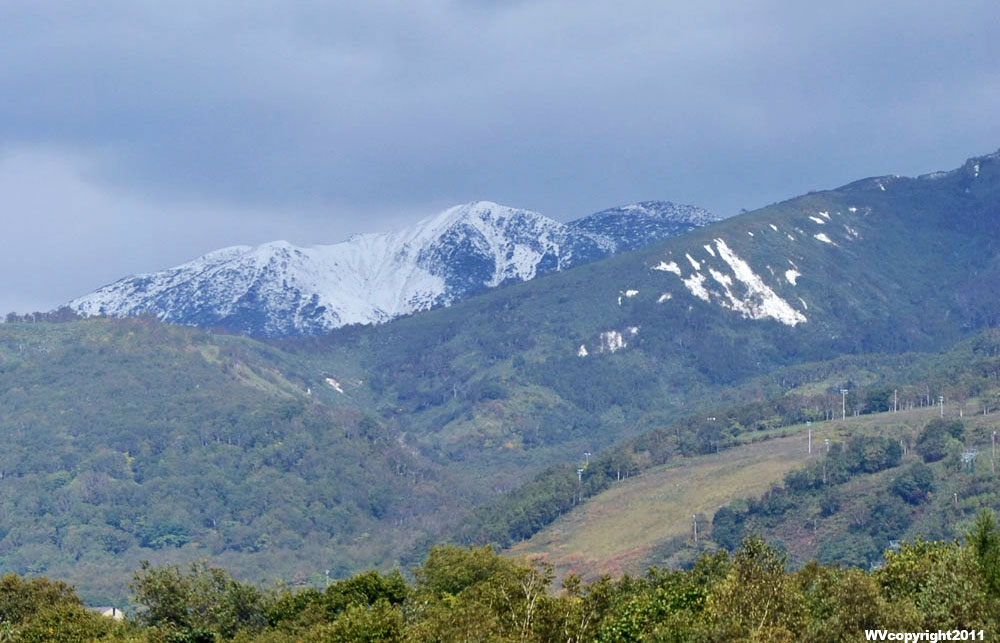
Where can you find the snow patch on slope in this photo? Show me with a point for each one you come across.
(742, 290)
(668, 267)
(696, 284)
(628, 294)
(611, 342)
(759, 302)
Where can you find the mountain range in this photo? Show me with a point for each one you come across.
(278, 289)
(132, 439)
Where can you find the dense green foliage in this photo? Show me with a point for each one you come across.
(935, 440)
(127, 440)
(38, 610)
(855, 501)
(475, 595)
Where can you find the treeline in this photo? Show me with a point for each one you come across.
(820, 482)
(61, 314)
(473, 594)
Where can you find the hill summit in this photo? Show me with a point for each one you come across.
(278, 289)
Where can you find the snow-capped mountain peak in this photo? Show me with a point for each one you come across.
(278, 289)
(632, 226)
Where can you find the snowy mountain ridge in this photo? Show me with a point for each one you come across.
(278, 289)
(632, 226)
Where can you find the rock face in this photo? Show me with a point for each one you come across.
(278, 289)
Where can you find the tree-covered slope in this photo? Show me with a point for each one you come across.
(891, 470)
(126, 440)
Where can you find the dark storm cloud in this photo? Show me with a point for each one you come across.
(322, 119)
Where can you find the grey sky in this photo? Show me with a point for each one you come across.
(137, 135)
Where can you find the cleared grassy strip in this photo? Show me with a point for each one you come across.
(617, 530)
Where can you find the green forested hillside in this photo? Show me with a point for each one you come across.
(843, 503)
(862, 509)
(128, 440)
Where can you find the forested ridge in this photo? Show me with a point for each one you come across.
(130, 439)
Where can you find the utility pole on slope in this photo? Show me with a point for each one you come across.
(941, 404)
(843, 404)
(695, 518)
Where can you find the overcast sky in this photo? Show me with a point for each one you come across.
(138, 135)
